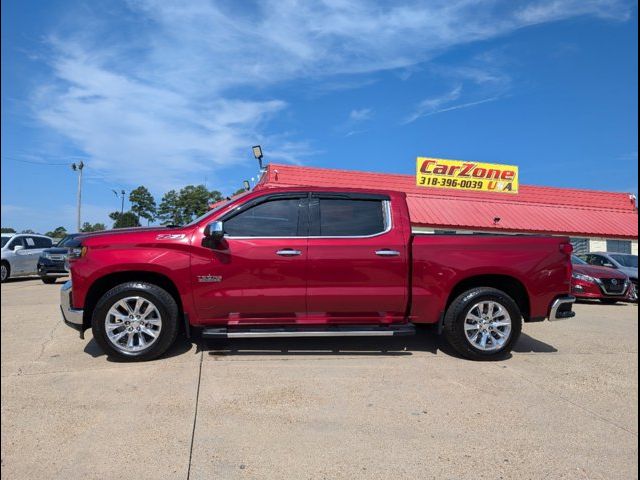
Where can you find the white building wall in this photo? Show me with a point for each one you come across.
(634, 247)
(597, 244)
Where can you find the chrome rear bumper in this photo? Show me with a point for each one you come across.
(561, 308)
(73, 317)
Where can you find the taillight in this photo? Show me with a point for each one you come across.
(566, 248)
(76, 252)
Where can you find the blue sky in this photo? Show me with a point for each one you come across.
(165, 93)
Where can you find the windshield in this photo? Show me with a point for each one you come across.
(218, 206)
(4, 241)
(577, 260)
(65, 240)
(630, 261)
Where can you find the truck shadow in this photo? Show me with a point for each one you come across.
(425, 340)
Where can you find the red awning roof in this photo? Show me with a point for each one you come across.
(535, 209)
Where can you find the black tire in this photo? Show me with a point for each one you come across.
(49, 280)
(6, 266)
(454, 319)
(608, 301)
(161, 299)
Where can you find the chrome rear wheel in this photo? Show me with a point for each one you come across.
(487, 326)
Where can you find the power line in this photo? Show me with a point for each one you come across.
(37, 163)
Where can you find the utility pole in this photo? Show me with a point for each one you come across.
(78, 167)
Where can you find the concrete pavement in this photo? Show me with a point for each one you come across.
(565, 405)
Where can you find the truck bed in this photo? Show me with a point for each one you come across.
(532, 267)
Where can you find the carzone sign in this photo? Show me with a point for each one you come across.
(463, 175)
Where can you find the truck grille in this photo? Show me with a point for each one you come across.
(613, 286)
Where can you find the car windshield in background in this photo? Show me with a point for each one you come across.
(65, 240)
(578, 260)
(626, 260)
(4, 241)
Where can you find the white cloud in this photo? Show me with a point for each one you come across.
(183, 87)
(434, 104)
(361, 115)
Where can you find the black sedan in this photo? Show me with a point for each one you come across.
(51, 263)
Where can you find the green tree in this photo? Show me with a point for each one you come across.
(96, 227)
(194, 200)
(8, 230)
(169, 210)
(124, 220)
(58, 232)
(238, 192)
(142, 203)
(181, 207)
(28, 230)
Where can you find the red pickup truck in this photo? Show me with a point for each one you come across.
(293, 262)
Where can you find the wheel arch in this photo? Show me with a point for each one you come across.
(107, 282)
(506, 283)
(6, 262)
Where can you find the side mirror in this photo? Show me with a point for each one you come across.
(214, 231)
(17, 248)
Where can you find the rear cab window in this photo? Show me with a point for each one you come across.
(349, 217)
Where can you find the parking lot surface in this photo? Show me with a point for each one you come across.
(565, 405)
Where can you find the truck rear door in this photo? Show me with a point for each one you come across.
(357, 260)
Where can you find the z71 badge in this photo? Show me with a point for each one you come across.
(209, 278)
(170, 236)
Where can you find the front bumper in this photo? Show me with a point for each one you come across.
(583, 289)
(561, 308)
(73, 317)
(52, 267)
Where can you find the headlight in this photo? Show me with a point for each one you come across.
(584, 278)
(76, 252)
(47, 256)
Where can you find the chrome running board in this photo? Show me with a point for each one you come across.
(328, 331)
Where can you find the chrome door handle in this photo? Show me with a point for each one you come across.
(387, 253)
(288, 252)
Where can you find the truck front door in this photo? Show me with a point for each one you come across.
(257, 274)
(358, 260)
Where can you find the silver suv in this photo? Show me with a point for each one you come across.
(20, 253)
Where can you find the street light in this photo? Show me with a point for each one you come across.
(257, 152)
(115, 192)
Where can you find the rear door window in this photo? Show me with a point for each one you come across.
(42, 242)
(350, 217)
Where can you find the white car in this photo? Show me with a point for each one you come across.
(20, 253)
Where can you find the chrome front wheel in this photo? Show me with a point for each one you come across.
(4, 271)
(133, 324)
